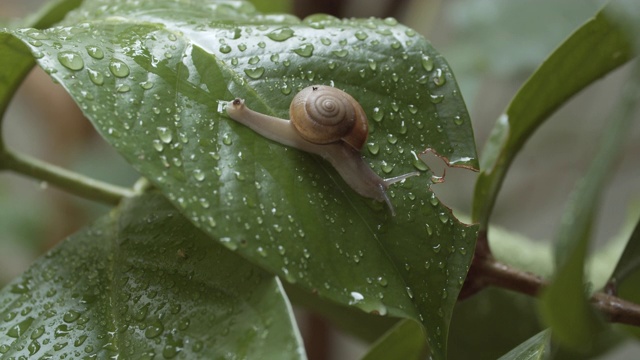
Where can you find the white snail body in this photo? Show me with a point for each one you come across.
(328, 122)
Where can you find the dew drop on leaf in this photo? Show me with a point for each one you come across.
(306, 50)
(254, 73)
(281, 34)
(70, 60)
(118, 68)
(95, 52)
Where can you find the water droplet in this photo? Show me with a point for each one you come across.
(285, 89)
(413, 109)
(373, 148)
(198, 174)
(226, 139)
(242, 47)
(410, 32)
(395, 45)
(95, 52)
(20, 328)
(340, 53)
(70, 60)
(443, 218)
(458, 120)
(118, 68)
(253, 60)
(155, 329)
(437, 248)
(39, 331)
(436, 99)
(262, 45)
(228, 243)
(281, 34)
(391, 21)
(392, 139)
(164, 134)
(123, 88)
(172, 37)
(372, 64)
(70, 316)
(361, 35)
(275, 57)
(325, 41)
(420, 165)
(386, 167)
(157, 144)
(225, 49)
(96, 77)
(427, 62)
(254, 73)
(434, 200)
(261, 251)
(439, 77)
(409, 292)
(378, 114)
(80, 340)
(306, 50)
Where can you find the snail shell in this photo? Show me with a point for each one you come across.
(323, 114)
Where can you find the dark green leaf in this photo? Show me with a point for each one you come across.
(16, 60)
(403, 341)
(595, 49)
(144, 283)
(626, 275)
(150, 78)
(564, 305)
(536, 348)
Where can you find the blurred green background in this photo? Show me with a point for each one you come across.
(492, 47)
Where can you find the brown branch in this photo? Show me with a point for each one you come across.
(487, 271)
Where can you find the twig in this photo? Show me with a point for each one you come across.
(487, 271)
(67, 180)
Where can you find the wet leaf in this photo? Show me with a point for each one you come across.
(150, 79)
(403, 341)
(536, 348)
(16, 59)
(598, 47)
(143, 282)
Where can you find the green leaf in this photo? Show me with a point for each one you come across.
(626, 275)
(535, 348)
(150, 77)
(598, 47)
(629, 262)
(16, 59)
(564, 305)
(403, 341)
(144, 282)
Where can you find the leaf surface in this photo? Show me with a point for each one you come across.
(150, 77)
(144, 283)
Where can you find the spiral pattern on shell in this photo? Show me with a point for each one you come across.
(323, 114)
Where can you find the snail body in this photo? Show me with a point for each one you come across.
(328, 122)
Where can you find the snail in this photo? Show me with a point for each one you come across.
(328, 122)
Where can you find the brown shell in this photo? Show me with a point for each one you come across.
(324, 114)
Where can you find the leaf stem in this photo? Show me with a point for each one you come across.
(69, 181)
(486, 271)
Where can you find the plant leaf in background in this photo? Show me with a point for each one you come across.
(403, 341)
(626, 275)
(16, 60)
(536, 348)
(150, 77)
(564, 305)
(595, 49)
(143, 282)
